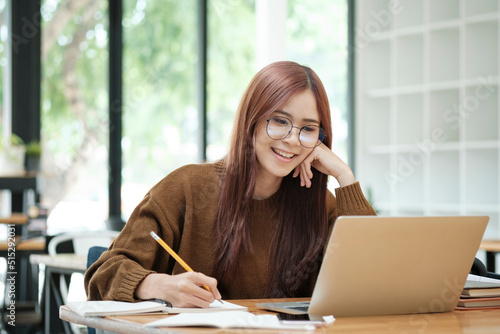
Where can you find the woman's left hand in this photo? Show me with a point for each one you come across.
(324, 160)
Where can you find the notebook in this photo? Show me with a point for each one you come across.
(101, 308)
(376, 265)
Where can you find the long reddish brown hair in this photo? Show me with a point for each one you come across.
(302, 213)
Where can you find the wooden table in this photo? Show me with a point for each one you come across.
(72, 262)
(484, 321)
(56, 266)
(33, 244)
(16, 219)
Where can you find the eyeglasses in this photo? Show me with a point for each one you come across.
(279, 127)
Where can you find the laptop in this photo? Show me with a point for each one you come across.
(377, 265)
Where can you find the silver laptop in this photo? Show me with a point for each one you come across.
(377, 265)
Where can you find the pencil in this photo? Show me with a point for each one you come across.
(175, 256)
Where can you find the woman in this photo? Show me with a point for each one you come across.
(253, 225)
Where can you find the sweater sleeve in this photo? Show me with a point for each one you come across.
(348, 201)
(130, 258)
(351, 201)
(134, 254)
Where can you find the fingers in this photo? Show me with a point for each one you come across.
(210, 283)
(182, 290)
(325, 161)
(305, 172)
(305, 175)
(198, 290)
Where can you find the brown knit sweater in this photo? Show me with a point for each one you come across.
(181, 210)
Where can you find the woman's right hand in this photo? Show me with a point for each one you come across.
(324, 160)
(182, 290)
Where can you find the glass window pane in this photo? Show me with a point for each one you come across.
(160, 121)
(74, 113)
(317, 37)
(231, 66)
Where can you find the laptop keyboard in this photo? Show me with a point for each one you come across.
(302, 308)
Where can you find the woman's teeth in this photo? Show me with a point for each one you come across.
(283, 154)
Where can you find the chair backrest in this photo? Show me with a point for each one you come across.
(82, 241)
(94, 254)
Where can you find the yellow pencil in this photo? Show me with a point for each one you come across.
(175, 256)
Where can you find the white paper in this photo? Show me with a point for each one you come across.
(216, 306)
(477, 278)
(227, 319)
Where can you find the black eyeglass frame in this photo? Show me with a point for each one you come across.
(321, 136)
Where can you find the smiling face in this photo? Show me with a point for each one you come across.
(277, 158)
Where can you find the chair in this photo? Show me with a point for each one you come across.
(82, 241)
(78, 243)
(93, 255)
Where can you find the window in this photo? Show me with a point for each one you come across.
(231, 66)
(160, 121)
(74, 113)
